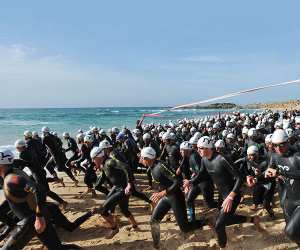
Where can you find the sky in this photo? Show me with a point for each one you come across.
(145, 53)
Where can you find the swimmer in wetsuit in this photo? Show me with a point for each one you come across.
(118, 156)
(171, 196)
(72, 147)
(28, 203)
(285, 165)
(29, 159)
(252, 168)
(120, 192)
(191, 183)
(58, 156)
(228, 182)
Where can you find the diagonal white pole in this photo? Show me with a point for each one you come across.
(241, 92)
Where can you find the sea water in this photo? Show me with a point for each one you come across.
(13, 122)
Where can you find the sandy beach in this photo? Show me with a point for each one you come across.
(90, 235)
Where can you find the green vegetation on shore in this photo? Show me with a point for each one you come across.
(225, 105)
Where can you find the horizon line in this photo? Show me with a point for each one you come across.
(84, 107)
(162, 106)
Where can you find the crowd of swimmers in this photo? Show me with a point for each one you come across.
(218, 156)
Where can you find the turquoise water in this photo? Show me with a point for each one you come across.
(13, 122)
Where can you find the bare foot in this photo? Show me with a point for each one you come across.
(211, 216)
(253, 207)
(112, 233)
(168, 217)
(81, 196)
(271, 213)
(64, 205)
(61, 181)
(94, 195)
(256, 222)
(133, 228)
(117, 218)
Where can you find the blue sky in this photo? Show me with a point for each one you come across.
(145, 53)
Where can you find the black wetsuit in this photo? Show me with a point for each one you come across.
(102, 178)
(7, 218)
(53, 213)
(27, 202)
(288, 166)
(228, 155)
(171, 155)
(130, 150)
(118, 176)
(269, 154)
(36, 146)
(90, 176)
(73, 147)
(295, 146)
(205, 186)
(30, 160)
(155, 146)
(184, 167)
(84, 156)
(297, 133)
(134, 192)
(58, 156)
(264, 189)
(233, 152)
(134, 150)
(38, 173)
(174, 200)
(227, 180)
(60, 220)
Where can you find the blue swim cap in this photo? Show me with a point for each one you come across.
(121, 136)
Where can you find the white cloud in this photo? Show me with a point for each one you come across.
(15, 52)
(29, 80)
